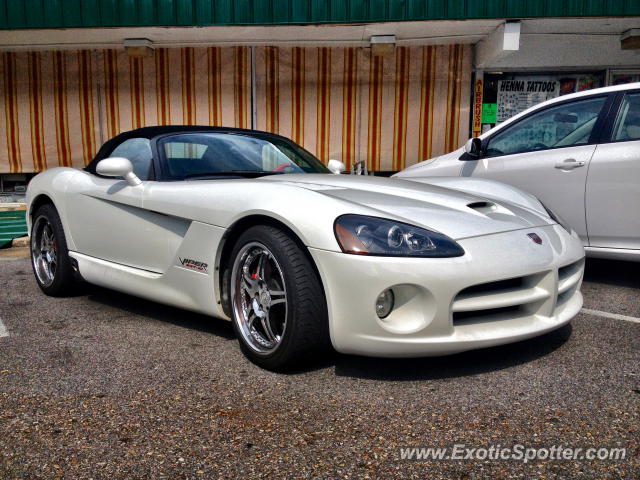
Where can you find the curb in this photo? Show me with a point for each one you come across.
(20, 242)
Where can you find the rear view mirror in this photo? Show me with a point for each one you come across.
(336, 166)
(118, 167)
(473, 147)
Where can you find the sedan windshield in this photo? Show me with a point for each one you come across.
(224, 155)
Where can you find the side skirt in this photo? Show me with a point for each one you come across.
(178, 287)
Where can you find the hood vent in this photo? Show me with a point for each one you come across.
(482, 207)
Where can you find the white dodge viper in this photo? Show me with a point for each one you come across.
(250, 227)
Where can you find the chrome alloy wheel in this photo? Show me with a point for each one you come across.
(259, 297)
(44, 251)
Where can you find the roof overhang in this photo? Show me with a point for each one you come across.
(501, 45)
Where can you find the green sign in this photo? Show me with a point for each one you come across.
(489, 112)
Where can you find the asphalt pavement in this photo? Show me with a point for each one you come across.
(105, 385)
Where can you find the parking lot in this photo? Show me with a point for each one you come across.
(105, 385)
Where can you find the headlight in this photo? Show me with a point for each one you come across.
(362, 235)
(556, 218)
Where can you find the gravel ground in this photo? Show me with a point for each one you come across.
(104, 385)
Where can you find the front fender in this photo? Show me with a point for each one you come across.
(53, 184)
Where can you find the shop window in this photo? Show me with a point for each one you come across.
(621, 77)
(14, 183)
(507, 94)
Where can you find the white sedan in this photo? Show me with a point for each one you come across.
(250, 227)
(579, 153)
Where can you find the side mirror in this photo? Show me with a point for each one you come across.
(118, 167)
(336, 166)
(473, 147)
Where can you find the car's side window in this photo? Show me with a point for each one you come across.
(193, 154)
(564, 125)
(184, 150)
(278, 159)
(184, 155)
(627, 126)
(138, 152)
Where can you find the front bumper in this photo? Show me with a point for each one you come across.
(504, 289)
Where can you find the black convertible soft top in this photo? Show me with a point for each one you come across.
(152, 132)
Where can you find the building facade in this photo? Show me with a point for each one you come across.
(388, 82)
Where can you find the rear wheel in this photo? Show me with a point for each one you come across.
(278, 305)
(49, 255)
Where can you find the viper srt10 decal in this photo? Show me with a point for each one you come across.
(194, 264)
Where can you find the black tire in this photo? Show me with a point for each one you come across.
(63, 282)
(306, 335)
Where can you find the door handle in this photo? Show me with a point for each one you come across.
(570, 164)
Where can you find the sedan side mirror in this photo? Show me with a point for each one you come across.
(118, 167)
(336, 166)
(473, 147)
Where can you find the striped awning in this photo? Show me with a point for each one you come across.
(56, 108)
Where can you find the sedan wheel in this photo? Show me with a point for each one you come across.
(277, 301)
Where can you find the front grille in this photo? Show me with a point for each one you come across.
(498, 300)
(493, 286)
(517, 297)
(489, 314)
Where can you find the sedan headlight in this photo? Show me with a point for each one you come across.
(363, 235)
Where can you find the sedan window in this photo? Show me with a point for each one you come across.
(565, 125)
(627, 125)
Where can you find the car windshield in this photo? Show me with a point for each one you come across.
(224, 155)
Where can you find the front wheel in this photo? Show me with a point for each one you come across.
(278, 305)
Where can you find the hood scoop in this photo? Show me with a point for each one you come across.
(483, 207)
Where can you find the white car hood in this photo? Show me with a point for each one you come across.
(452, 212)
